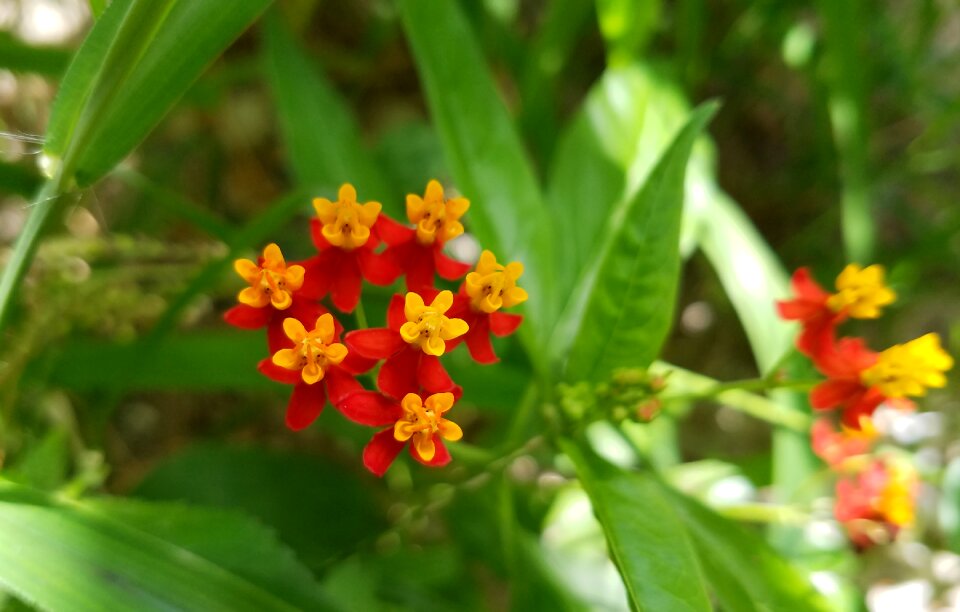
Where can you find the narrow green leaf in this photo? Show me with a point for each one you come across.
(233, 541)
(140, 57)
(19, 179)
(485, 154)
(42, 208)
(743, 571)
(18, 56)
(63, 555)
(324, 145)
(628, 302)
(751, 275)
(645, 537)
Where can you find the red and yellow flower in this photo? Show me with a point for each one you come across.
(415, 337)
(346, 234)
(414, 418)
(418, 251)
(482, 296)
(319, 367)
(843, 447)
(874, 504)
(861, 294)
(272, 295)
(859, 380)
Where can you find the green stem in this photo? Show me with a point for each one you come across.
(361, 316)
(751, 384)
(44, 205)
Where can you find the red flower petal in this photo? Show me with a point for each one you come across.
(374, 343)
(391, 232)
(419, 266)
(346, 284)
(395, 315)
(381, 451)
(306, 404)
(378, 269)
(806, 288)
(340, 384)
(354, 363)
(432, 376)
(398, 374)
(276, 338)
(318, 274)
(478, 342)
(447, 267)
(247, 317)
(275, 372)
(832, 393)
(370, 408)
(441, 455)
(503, 323)
(864, 406)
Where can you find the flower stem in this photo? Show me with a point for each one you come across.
(361, 316)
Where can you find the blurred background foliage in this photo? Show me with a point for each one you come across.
(837, 137)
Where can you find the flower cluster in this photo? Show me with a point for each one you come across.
(875, 492)
(859, 379)
(309, 350)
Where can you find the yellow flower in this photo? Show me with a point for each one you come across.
(421, 420)
(493, 286)
(909, 369)
(861, 292)
(437, 218)
(346, 223)
(313, 352)
(896, 501)
(427, 327)
(271, 282)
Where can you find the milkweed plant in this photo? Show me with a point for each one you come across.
(466, 319)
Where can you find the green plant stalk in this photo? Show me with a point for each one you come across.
(44, 205)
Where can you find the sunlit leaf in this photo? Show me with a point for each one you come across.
(628, 303)
(646, 539)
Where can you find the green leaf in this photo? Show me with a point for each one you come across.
(19, 179)
(743, 571)
(627, 26)
(209, 361)
(231, 540)
(20, 57)
(65, 555)
(485, 154)
(319, 508)
(140, 57)
(646, 539)
(626, 123)
(627, 304)
(324, 145)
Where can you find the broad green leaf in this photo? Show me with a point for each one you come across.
(210, 361)
(18, 56)
(66, 555)
(319, 508)
(229, 539)
(628, 303)
(485, 154)
(626, 123)
(324, 145)
(744, 573)
(646, 539)
(140, 57)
